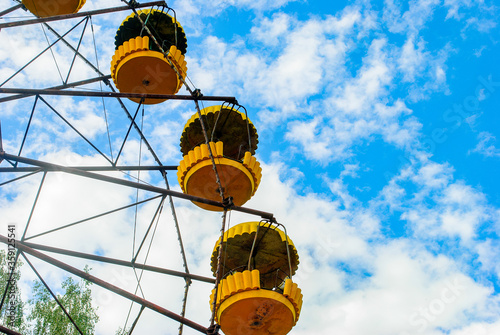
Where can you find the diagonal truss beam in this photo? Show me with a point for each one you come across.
(60, 87)
(8, 331)
(115, 289)
(11, 9)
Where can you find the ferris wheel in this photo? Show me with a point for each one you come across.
(111, 162)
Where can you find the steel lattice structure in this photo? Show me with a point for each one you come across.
(16, 167)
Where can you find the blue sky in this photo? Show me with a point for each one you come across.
(378, 136)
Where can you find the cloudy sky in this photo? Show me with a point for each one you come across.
(378, 128)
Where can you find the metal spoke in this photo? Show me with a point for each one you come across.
(106, 285)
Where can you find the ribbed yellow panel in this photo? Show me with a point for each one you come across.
(131, 46)
(237, 282)
(250, 280)
(177, 58)
(142, 44)
(294, 294)
(201, 153)
(251, 163)
(198, 154)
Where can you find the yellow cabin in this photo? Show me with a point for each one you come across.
(138, 65)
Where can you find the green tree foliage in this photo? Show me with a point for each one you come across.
(48, 318)
(11, 315)
(122, 331)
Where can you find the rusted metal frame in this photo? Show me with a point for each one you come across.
(124, 182)
(287, 249)
(1, 145)
(10, 10)
(106, 285)
(114, 94)
(77, 48)
(70, 85)
(41, 53)
(72, 16)
(183, 253)
(52, 294)
(8, 241)
(184, 303)
(76, 52)
(92, 218)
(126, 135)
(97, 168)
(253, 247)
(119, 262)
(27, 128)
(157, 212)
(218, 273)
(136, 320)
(177, 228)
(98, 71)
(112, 89)
(8, 331)
(76, 130)
(139, 131)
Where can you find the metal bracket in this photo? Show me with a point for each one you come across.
(213, 330)
(228, 203)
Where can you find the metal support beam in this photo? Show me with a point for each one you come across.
(118, 262)
(28, 91)
(97, 168)
(8, 331)
(11, 9)
(60, 87)
(82, 274)
(128, 183)
(80, 14)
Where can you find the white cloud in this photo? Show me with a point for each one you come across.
(454, 8)
(412, 20)
(412, 58)
(271, 31)
(486, 145)
(478, 329)
(489, 252)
